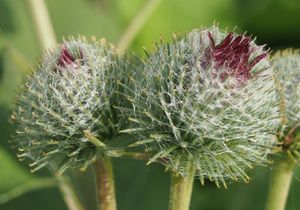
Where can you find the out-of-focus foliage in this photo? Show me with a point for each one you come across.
(275, 22)
(138, 186)
(10, 168)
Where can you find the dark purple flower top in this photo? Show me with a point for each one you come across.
(67, 58)
(233, 53)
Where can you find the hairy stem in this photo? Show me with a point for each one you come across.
(280, 184)
(42, 23)
(68, 193)
(105, 184)
(136, 24)
(181, 190)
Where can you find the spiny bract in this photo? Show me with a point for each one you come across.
(286, 66)
(208, 102)
(65, 116)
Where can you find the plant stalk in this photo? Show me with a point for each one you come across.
(136, 24)
(68, 193)
(42, 23)
(181, 190)
(280, 184)
(105, 184)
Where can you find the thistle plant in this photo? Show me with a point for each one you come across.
(204, 106)
(286, 66)
(65, 116)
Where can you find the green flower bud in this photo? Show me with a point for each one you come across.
(206, 101)
(286, 66)
(65, 116)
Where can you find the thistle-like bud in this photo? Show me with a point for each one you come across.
(207, 102)
(286, 66)
(65, 116)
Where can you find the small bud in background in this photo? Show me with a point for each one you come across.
(65, 114)
(286, 66)
(208, 102)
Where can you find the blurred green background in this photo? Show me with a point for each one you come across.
(275, 22)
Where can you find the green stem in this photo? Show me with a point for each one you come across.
(43, 23)
(280, 184)
(136, 25)
(105, 184)
(181, 190)
(68, 193)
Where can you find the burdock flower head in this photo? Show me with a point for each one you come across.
(206, 104)
(286, 66)
(65, 116)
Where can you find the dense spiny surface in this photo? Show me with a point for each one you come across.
(66, 104)
(286, 66)
(208, 102)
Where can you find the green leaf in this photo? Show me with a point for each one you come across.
(12, 175)
(15, 181)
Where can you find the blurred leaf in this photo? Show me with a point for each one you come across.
(73, 17)
(36, 184)
(15, 181)
(6, 17)
(134, 27)
(103, 4)
(12, 75)
(12, 175)
(273, 22)
(23, 40)
(1, 54)
(140, 186)
(19, 59)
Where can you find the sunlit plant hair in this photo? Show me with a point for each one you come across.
(65, 115)
(205, 103)
(286, 66)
